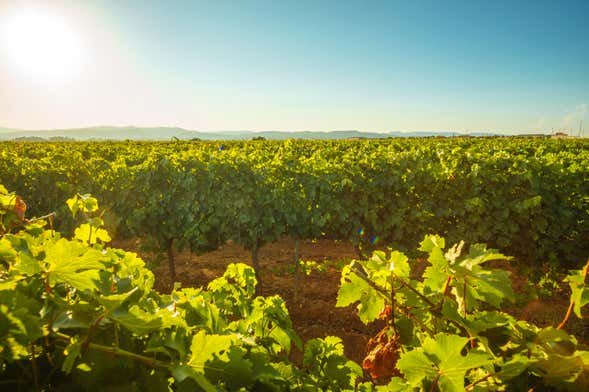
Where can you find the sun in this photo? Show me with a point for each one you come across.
(40, 43)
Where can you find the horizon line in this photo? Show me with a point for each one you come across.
(466, 132)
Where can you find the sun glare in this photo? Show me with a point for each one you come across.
(40, 43)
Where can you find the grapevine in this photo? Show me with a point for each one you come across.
(450, 333)
(75, 313)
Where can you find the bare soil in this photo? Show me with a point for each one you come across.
(315, 314)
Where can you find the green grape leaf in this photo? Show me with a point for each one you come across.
(350, 289)
(182, 372)
(274, 309)
(73, 263)
(10, 283)
(431, 242)
(316, 348)
(175, 340)
(326, 360)
(579, 290)
(84, 203)
(378, 268)
(435, 277)
(73, 319)
(113, 302)
(441, 359)
(71, 352)
(90, 235)
(27, 264)
(494, 286)
(138, 320)
(205, 347)
(558, 370)
(235, 371)
(399, 265)
(355, 289)
(416, 367)
(30, 325)
(7, 252)
(515, 366)
(397, 384)
(479, 254)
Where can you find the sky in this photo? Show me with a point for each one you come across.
(501, 66)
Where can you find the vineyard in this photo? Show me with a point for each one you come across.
(78, 314)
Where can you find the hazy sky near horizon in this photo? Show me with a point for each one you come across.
(295, 65)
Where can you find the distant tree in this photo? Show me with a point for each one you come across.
(29, 139)
(61, 139)
(258, 138)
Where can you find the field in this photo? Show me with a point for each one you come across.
(193, 210)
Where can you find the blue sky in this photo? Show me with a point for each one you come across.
(314, 65)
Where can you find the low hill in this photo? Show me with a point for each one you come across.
(167, 133)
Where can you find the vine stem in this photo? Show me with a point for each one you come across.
(91, 332)
(25, 222)
(567, 316)
(447, 287)
(472, 385)
(435, 383)
(35, 368)
(569, 311)
(296, 271)
(378, 289)
(47, 216)
(90, 235)
(446, 291)
(420, 295)
(393, 304)
(151, 362)
(464, 290)
(256, 264)
(432, 305)
(116, 332)
(46, 284)
(423, 297)
(407, 313)
(171, 262)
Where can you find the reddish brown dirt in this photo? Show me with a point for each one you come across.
(315, 314)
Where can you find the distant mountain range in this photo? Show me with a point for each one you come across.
(168, 133)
